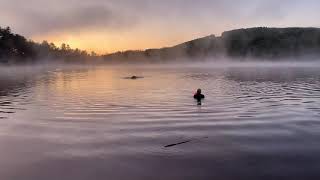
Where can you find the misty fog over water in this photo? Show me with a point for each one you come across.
(258, 121)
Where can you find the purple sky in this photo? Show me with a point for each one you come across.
(111, 25)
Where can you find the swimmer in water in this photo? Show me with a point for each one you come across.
(134, 77)
(198, 96)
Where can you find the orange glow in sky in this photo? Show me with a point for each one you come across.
(108, 42)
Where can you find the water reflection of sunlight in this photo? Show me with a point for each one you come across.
(106, 84)
(82, 82)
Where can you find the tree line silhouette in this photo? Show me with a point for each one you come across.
(15, 48)
(258, 43)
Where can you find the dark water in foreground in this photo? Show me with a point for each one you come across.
(92, 123)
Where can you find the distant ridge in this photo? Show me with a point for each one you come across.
(259, 42)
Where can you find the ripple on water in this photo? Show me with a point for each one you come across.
(94, 113)
(7, 112)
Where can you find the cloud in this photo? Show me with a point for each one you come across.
(37, 18)
(165, 21)
(87, 17)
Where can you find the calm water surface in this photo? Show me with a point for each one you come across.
(93, 123)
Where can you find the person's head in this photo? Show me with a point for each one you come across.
(199, 91)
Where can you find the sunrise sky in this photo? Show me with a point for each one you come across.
(107, 26)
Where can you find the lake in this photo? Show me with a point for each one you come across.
(80, 123)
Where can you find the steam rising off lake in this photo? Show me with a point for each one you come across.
(79, 123)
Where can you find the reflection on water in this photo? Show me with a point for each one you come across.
(92, 123)
(13, 94)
